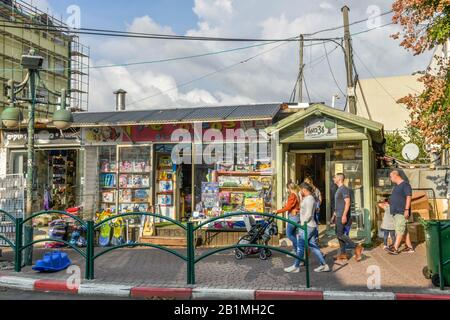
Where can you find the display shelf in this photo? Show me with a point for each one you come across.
(136, 172)
(134, 188)
(243, 173)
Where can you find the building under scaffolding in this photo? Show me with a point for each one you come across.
(66, 60)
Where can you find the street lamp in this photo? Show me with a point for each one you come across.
(62, 118)
(12, 117)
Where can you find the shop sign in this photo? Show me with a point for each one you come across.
(102, 135)
(42, 137)
(321, 129)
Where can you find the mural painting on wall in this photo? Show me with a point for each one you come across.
(102, 135)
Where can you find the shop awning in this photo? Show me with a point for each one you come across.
(179, 115)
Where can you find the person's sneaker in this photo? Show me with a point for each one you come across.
(409, 250)
(323, 268)
(292, 269)
(358, 252)
(385, 248)
(392, 251)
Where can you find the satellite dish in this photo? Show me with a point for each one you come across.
(410, 152)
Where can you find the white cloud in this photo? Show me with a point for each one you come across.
(326, 6)
(268, 77)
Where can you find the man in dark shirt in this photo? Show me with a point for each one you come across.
(343, 219)
(400, 203)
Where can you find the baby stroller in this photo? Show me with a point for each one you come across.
(257, 233)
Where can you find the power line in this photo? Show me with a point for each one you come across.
(351, 24)
(203, 54)
(331, 70)
(208, 74)
(375, 78)
(118, 33)
(127, 34)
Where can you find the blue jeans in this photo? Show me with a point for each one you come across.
(312, 245)
(386, 234)
(291, 231)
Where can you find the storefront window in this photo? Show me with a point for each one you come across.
(134, 179)
(242, 181)
(125, 179)
(346, 158)
(108, 178)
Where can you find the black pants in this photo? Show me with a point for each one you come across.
(344, 241)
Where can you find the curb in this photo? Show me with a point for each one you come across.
(114, 290)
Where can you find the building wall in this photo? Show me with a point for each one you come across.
(381, 95)
(14, 42)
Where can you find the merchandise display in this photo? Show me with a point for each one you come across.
(126, 186)
(165, 193)
(237, 188)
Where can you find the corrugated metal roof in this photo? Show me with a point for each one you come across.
(160, 116)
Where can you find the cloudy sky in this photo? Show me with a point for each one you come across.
(258, 74)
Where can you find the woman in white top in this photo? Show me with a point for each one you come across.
(307, 211)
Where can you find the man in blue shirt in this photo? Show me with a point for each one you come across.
(400, 203)
(343, 219)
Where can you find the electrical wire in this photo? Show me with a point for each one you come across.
(350, 24)
(199, 55)
(375, 78)
(118, 33)
(331, 71)
(208, 74)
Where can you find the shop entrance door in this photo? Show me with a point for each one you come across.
(312, 164)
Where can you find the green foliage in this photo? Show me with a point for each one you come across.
(396, 141)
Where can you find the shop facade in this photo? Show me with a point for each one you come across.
(147, 168)
(320, 142)
(201, 163)
(58, 165)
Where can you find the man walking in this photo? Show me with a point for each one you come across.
(343, 219)
(400, 203)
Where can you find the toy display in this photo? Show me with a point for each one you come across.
(125, 186)
(165, 199)
(165, 193)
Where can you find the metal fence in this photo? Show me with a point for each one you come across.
(190, 257)
(12, 200)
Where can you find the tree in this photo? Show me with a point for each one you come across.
(395, 142)
(426, 25)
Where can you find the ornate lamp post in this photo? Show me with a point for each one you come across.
(11, 118)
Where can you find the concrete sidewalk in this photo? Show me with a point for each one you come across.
(153, 268)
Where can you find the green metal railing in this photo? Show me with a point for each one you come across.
(13, 219)
(93, 227)
(190, 257)
(194, 260)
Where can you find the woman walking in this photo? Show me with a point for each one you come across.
(307, 217)
(292, 207)
(317, 197)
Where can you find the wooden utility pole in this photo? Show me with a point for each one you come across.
(300, 72)
(349, 62)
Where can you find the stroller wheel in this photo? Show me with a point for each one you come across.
(238, 254)
(268, 253)
(263, 255)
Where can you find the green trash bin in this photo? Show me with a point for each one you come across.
(437, 236)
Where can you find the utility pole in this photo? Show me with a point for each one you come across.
(300, 72)
(351, 107)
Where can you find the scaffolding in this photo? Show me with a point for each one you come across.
(79, 89)
(66, 60)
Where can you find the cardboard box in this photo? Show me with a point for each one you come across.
(416, 232)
